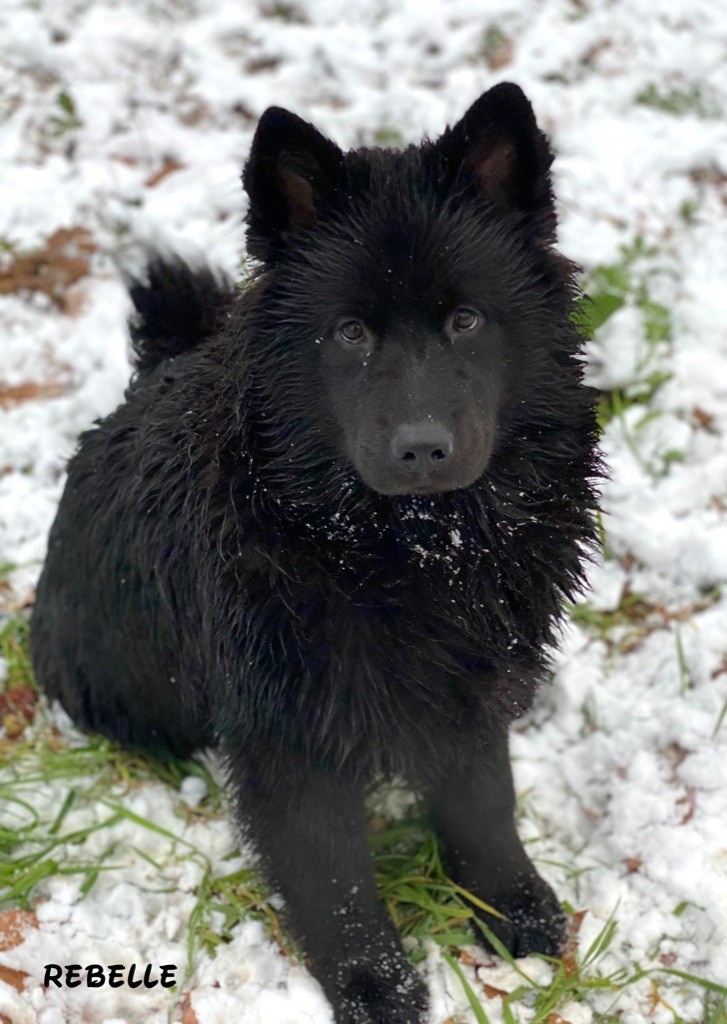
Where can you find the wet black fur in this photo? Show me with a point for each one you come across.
(175, 309)
(219, 573)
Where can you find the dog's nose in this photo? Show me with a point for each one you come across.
(421, 447)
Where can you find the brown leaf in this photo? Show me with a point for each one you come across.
(28, 391)
(568, 957)
(193, 110)
(631, 643)
(675, 755)
(14, 926)
(169, 168)
(12, 977)
(470, 960)
(591, 55)
(576, 920)
(122, 158)
(257, 64)
(702, 418)
(10, 601)
(492, 993)
(500, 56)
(498, 49)
(467, 959)
(710, 175)
(20, 701)
(54, 269)
(188, 1014)
(689, 800)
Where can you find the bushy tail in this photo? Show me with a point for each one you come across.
(177, 307)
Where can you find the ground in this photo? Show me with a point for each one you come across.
(126, 122)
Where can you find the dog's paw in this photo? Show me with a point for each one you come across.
(536, 922)
(381, 989)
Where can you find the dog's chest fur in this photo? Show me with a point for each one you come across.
(388, 661)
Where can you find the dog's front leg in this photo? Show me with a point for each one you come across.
(309, 828)
(473, 810)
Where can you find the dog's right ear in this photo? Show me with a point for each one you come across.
(293, 173)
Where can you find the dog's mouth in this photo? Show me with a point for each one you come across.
(433, 482)
(421, 488)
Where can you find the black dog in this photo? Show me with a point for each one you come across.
(332, 526)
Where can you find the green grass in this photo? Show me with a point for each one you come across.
(287, 12)
(14, 651)
(628, 282)
(423, 902)
(66, 118)
(388, 137)
(97, 776)
(611, 287)
(631, 612)
(688, 210)
(715, 1009)
(720, 721)
(622, 629)
(687, 100)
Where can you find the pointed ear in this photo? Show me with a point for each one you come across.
(499, 143)
(292, 173)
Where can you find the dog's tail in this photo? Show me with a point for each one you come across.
(177, 307)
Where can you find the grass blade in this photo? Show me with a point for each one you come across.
(477, 1008)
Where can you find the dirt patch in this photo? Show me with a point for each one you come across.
(53, 270)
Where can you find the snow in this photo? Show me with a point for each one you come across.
(623, 780)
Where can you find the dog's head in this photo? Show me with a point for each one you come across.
(412, 295)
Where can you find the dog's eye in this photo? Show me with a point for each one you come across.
(464, 319)
(351, 332)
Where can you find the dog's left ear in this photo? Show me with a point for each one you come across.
(293, 173)
(499, 142)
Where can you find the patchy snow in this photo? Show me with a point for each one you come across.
(624, 780)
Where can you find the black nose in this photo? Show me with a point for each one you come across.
(421, 447)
